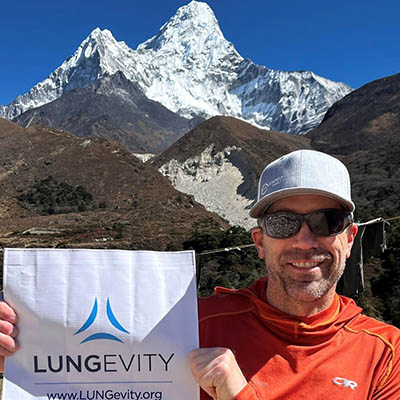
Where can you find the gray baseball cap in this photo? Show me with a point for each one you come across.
(303, 172)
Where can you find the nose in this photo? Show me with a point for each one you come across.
(305, 239)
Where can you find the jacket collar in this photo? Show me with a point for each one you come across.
(316, 328)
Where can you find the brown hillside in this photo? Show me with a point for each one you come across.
(139, 207)
(363, 129)
(228, 131)
(365, 119)
(259, 147)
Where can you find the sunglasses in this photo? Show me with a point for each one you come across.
(283, 225)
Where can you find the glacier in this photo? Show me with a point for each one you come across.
(213, 181)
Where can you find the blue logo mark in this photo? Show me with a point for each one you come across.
(91, 319)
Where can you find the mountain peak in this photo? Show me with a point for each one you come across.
(99, 39)
(98, 32)
(99, 54)
(196, 10)
(191, 69)
(98, 35)
(194, 21)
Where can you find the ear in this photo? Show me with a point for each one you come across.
(257, 235)
(351, 234)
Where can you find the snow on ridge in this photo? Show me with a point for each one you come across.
(190, 68)
(213, 181)
(197, 16)
(98, 55)
(191, 64)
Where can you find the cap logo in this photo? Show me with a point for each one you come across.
(274, 182)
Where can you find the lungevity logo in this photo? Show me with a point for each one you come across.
(101, 335)
(111, 362)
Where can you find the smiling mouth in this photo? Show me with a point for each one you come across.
(307, 261)
(306, 265)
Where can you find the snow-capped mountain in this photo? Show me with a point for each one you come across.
(113, 107)
(191, 69)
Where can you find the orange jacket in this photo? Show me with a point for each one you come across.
(336, 354)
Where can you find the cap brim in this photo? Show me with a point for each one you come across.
(259, 208)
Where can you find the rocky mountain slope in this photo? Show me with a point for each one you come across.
(115, 108)
(363, 129)
(364, 120)
(219, 162)
(190, 68)
(121, 201)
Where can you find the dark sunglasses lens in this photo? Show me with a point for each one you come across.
(321, 223)
(327, 222)
(281, 225)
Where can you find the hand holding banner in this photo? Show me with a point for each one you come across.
(101, 324)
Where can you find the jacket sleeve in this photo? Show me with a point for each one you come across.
(389, 389)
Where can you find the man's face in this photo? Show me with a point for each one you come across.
(303, 270)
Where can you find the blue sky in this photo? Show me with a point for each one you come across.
(350, 41)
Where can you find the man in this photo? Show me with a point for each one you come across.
(290, 336)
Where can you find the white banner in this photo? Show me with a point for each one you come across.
(101, 324)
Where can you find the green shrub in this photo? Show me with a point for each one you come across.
(49, 196)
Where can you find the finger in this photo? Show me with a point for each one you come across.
(6, 353)
(8, 328)
(217, 372)
(201, 378)
(15, 332)
(207, 357)
(207, 365)
(7, 313)
(8, 345)
(207, 353)
(200, 362)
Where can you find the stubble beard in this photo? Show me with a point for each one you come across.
(313, 287)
